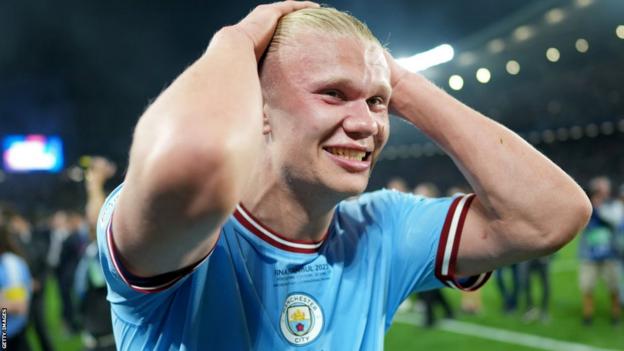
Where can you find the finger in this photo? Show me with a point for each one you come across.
(291, 6)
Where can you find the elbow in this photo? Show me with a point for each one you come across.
(570, 221)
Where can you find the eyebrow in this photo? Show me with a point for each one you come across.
(385, 89)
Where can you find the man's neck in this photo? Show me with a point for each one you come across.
(293, 215)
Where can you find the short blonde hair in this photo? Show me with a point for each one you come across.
(323, 19)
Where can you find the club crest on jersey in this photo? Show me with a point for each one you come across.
(301, 321)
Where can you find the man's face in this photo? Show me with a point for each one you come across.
(326, 99)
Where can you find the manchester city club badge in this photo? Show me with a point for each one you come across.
(301, 321)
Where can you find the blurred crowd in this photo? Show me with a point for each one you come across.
(60, 248)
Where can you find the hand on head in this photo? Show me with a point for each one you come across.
(259, 25)
(396, 71)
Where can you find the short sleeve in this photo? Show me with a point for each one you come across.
(127, 292)
(422, 236)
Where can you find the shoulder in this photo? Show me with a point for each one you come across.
(376, 199)
(382, 202)
(11, 258)
(14, 264)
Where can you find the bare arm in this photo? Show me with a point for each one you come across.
(100, 170)
(526, 206)
(192, 148)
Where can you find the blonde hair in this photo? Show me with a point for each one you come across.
(323, 19)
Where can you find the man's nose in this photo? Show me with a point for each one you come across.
(360, 122)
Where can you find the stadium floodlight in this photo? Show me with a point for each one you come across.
(619, 31)
(512, 67)
(422, 61)
(552, 54)
(483, 75)
(584, 3)
(581, 45)
(554, 16)
(456, 82)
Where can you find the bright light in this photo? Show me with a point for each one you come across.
(483, 75)
(553, 55)
(584, 3)
(555, 15)
(619, 31)
(456, 82)
(424, 60)
(466, 58)
(523, 33)
(581, 45)
(512, 67)
(495, 46)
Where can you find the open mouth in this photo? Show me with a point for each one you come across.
(349, 154)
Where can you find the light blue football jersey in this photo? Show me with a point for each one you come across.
(258, 290)
(15, 284)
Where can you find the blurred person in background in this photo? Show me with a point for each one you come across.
(508, 284)
(15, 290)
(71, 251)
(620, 239)
(66, 245)
(90, 285)
(435, 297)
(598, 252)
(398, 184)
(34, 243)
(536, 267)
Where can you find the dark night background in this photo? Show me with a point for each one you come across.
(86, 70)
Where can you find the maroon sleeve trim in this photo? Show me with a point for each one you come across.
(147, 284)
(446, 258)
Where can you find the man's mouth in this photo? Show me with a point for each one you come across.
(349, 154)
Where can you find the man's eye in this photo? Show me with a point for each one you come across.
(376, 100)
(334, 93)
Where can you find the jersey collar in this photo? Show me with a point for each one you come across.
(265, 233)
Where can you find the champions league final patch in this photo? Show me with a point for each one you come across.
(301, 321)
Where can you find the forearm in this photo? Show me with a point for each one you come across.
(210, 115)
(95, 199)
(517, 186)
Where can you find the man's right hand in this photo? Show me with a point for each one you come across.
(259, 25)
(100, 170)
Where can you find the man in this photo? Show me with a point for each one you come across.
(598, 251)
(89, 282)
(34, 244)
(15, 292)
(230, 232)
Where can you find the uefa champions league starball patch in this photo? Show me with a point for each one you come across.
(301, 321)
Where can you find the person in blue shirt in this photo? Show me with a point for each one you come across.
(598, 252)
(15, 292)
(241, 223)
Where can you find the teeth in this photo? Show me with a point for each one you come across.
(348, 154)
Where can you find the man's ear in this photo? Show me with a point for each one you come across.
(266, 125)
